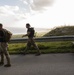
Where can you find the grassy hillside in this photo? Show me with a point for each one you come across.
(17, 36)
(66, 30)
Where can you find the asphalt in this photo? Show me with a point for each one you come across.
(45, 64)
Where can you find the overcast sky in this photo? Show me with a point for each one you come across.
(39, 13)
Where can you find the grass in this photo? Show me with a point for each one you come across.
(45, 47)
(60, 31)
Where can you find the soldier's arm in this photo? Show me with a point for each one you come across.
(28, 33)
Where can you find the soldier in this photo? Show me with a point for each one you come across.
(30, 34)
(3, 48)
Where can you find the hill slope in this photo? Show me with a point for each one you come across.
(66, 30)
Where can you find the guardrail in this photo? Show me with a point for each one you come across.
(44, 39)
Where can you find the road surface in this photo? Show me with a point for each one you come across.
(45, 64)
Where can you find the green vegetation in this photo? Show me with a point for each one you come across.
(45, 47)
(17, 36)
(59, 31)
(40, 34)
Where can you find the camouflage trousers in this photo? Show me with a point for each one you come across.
(3, 51)
(31, 42)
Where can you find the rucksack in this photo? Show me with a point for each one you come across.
(7, 35)
(32, 32)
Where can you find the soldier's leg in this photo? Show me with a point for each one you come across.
(5, 50)
(2, 58)
(28, 45)
(35, 46)
(2, 55)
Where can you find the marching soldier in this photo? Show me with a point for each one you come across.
(30, 34)
(4, 47)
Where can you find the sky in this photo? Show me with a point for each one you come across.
(39, 13)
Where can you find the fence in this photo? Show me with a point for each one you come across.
(45, 39)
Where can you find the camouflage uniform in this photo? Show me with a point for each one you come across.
(31, 40)
(4, 48)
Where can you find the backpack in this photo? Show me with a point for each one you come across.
(7, 35)
(32, 32)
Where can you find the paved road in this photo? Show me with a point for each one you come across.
(46, 64)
